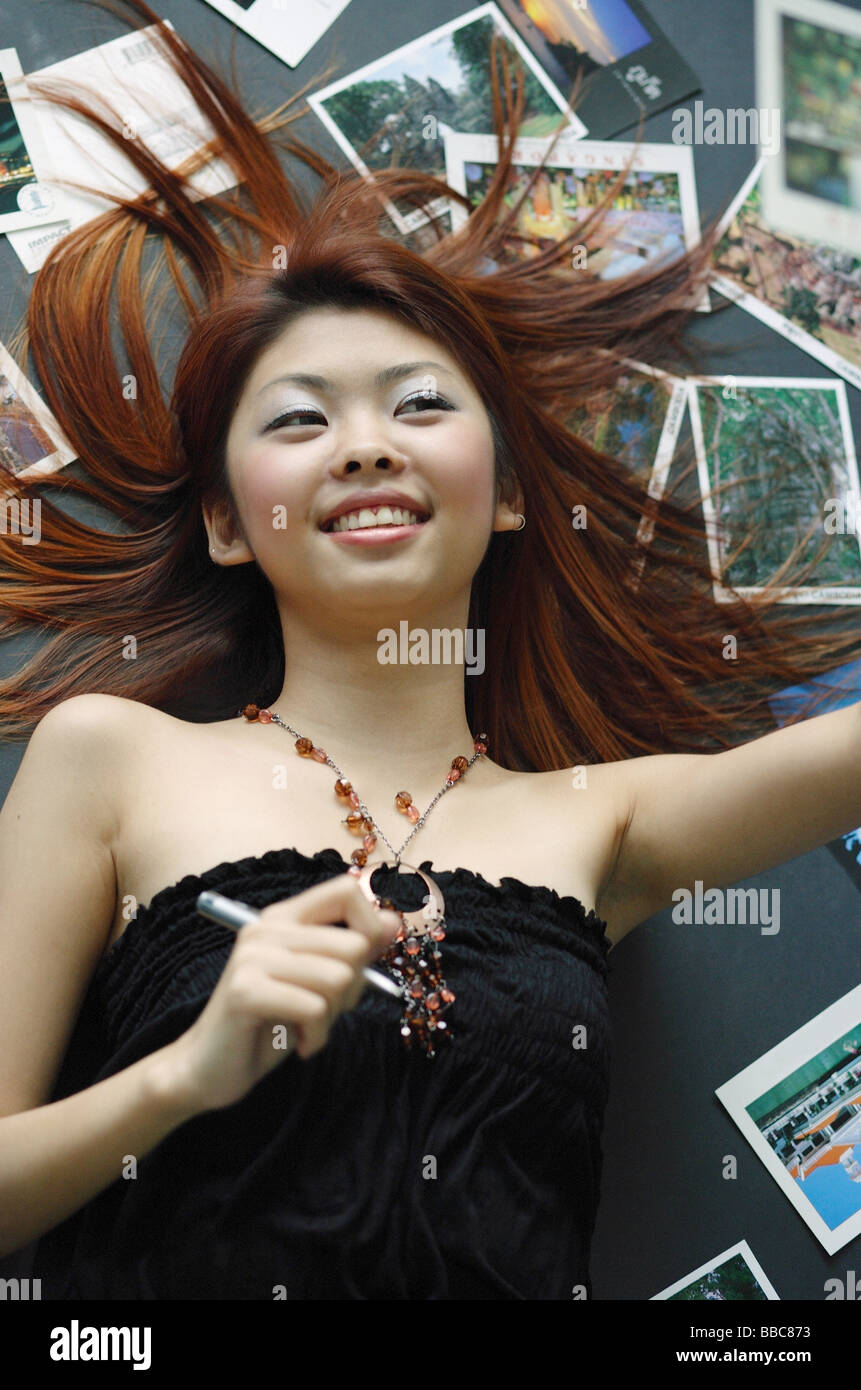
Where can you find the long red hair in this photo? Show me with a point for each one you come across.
(588, 656)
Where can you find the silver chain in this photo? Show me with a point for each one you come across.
(363, 809)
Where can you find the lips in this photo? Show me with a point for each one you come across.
(373, 501)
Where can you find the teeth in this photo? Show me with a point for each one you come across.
(376, 516)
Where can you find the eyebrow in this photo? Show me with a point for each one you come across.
(383, 378)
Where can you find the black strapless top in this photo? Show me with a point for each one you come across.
(368, 1171)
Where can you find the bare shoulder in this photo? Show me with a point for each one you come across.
(95, 728)
(96, 738)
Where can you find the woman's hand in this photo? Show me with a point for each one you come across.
(289, 967)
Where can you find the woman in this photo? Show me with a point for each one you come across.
(156, 1131)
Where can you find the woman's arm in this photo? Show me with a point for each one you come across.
(721, 817)
(56, 1158)
(57, 898)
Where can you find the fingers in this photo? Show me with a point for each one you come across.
(292, 964)
(338, 899)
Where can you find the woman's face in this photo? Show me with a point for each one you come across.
(344, 408)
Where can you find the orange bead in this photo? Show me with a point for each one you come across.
(251, 712)
(359, 856)
(403, 800)
(342, 789)
(459, 764)
(304, 747)
(355, 823)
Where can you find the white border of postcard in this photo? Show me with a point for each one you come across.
(752, 304)
(418, 218)
(743, 1249)
(849, 594)
(288, 28)
(461, 148)
(157, 108)
(788, 209)
(747, 1086)
(33, 402)
(41, 203)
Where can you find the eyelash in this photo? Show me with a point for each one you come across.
(289, 415)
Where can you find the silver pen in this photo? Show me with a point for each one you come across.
(230, 913)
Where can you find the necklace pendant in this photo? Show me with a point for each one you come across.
(414, 960)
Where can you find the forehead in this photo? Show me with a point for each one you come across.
(347, 346)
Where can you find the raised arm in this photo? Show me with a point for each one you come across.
(721, 817)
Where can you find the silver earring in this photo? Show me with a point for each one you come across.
(522, 519)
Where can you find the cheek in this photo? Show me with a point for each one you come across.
(470, 469)
(268, 494)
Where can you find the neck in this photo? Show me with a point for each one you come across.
(379, 721)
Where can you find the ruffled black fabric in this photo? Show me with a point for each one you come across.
(368, 1171)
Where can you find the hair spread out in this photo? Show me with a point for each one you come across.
(600, 644)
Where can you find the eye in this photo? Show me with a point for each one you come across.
(428, 399)
(304, 413)
(307, 415)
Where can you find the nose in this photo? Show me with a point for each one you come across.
(364, 458)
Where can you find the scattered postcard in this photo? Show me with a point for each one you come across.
(24, 199)
(638, 422)
(841, 686)
(30, 438)
(799, 1106)
(734, 1274)
(784, 446)
(288, 28)
(154, 107)
(807, 291)
(396, 110)
(653, 219)
(808, 56)
(629, 66)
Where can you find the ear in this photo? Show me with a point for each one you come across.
(227, 544)
(505, 518)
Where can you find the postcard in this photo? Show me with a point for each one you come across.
(734, 1274)
(799, 1107)
(836, 688)
(808, 292)
(153, 105)
(654, 217)
(288, 28)
(30, 438)
(629, 67)
(638, 422)
(785, 445)
(396, 110)
(808, 66)
(25, 200)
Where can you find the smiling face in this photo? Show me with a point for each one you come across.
(348, 409)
